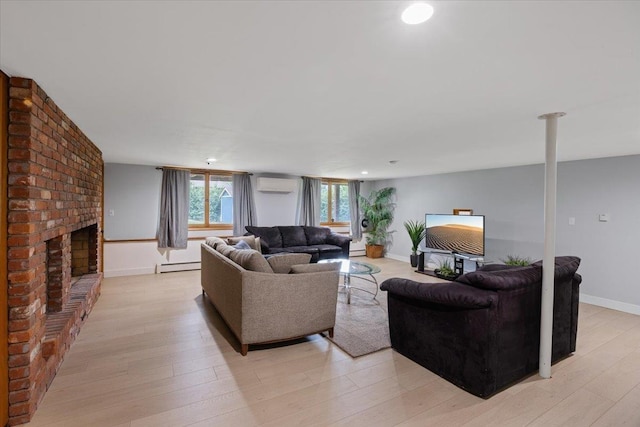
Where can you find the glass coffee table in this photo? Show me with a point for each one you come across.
(359, 270)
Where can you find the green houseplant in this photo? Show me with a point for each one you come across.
(417, 231)
(445, 271)
(516, 260)
(377, 211)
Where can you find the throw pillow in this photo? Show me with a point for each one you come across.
(242, 245)
(252, 241)
(315, 268)
(225, 249)
(251, 260)
(213, 241)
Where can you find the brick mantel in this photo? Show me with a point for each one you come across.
(54, 188)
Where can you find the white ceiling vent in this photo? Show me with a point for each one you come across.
(277, 185)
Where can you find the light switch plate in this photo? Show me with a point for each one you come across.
(604, 217)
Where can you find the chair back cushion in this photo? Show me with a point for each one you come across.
(510, 278)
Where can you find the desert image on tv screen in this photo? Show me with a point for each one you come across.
(456, 233)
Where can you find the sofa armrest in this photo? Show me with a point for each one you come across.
(449, 294)
(340, 240)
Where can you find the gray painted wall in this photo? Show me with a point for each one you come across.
(132, 192)
(513, 201)
(275, 208)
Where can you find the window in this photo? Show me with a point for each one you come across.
(334, 202)
(211, 200)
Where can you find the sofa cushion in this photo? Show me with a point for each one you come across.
(270, 235)
(252, 241)
(502, 279)
(315, 268)
(281, 263)
(316, 235)
(302, 249)
(293, 236)
(213, 241)
(328, 248)
(225, 249)
(251, 260)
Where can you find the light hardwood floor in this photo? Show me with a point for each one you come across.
(154, 353)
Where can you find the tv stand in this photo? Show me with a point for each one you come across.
(458, 262)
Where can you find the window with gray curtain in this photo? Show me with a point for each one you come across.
(244, 205)
(173, 224)
(309, 202)
(354, 210)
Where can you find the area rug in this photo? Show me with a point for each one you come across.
(362, 327)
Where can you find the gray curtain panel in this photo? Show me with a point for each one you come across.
(309, 206)
(354, 210)
(244, 205)
(173, 226)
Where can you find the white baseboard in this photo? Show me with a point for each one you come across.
(177, 266)
(609, 303)
(129, 272)
(404, 258)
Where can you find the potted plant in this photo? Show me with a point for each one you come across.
(445, 271)
(377, 210)
(417, 231)
(516, 260)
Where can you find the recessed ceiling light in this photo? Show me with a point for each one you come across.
(417, 13)
(364, 173)
(211, 159)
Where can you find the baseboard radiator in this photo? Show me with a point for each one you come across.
(177, 266)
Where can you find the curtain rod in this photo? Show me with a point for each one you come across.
(159, 168)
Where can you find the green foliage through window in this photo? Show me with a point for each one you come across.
(216, 206)
(334, 202)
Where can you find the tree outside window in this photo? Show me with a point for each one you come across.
(334, 202)
(210, 200)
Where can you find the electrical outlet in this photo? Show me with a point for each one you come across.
(604, 217)
(112, 212)
(572, 221)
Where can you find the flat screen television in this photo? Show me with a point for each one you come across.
(463, 234)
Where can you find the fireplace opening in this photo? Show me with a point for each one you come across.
(69, 257)
(84, 251)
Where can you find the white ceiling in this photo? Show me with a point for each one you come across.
(331, 88)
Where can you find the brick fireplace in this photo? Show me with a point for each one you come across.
(55, 190)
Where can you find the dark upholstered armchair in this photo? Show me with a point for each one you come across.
(482, 331)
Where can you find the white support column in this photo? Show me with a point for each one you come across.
(549, 257)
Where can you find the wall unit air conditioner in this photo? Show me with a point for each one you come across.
(277, 185)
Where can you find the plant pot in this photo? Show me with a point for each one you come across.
(374, 251)
(414, 260)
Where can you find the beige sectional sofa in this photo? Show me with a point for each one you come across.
(262, 306)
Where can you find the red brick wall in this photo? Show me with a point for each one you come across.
(54, 187)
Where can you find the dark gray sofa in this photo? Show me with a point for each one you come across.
(319, 242)
(482, 331)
